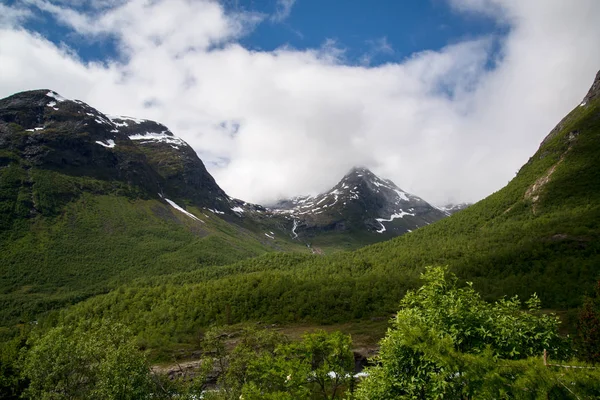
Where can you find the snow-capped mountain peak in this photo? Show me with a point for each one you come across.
(360, 198)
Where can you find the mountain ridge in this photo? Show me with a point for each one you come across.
(360, 200)
(89, 201)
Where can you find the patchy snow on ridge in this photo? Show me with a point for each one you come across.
(56, 96)
(39, 128)
(124, 118)
(238, 210)
(161, 137)
(402, 195)
(109, 143)
(175, 206)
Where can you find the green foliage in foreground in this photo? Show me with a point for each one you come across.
(88, 362)
(266, 365)
(446, 342)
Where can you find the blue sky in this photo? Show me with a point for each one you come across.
(383, 30)
(447, 98)
(369, 32)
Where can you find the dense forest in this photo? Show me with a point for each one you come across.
(445, 342)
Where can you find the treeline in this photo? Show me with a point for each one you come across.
(515, 256)
(168, 313)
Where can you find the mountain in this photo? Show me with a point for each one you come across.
(361, 203)
(89, 201)
(539, 234)
(452, 208)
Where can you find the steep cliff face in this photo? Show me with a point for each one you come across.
(43, 130)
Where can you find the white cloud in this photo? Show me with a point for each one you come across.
(13, 16)
(283, 9)
(377, 46)
(287, 122)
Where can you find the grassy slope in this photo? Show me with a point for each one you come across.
(507, 244)
(88, 243)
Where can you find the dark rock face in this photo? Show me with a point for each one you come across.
(50, 132)
(594, 91)
(183, 173)
(360, 201)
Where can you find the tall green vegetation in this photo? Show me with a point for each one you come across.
(91, 361)
(267, 365)
(588, 328)
(446, 342)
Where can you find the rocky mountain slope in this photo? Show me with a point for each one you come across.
(74, 138)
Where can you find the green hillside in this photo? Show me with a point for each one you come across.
(538, 234)
(99, 242)
(79, 216)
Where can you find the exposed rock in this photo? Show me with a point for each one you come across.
(71, 137)
(594, 91)
(360, 201)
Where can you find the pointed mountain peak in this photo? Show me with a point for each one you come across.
(367, 180)
(357, 170)
(360, 172)
(33, 98)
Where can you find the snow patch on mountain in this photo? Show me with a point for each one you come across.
(125, 119)
(109, 143)
(56, 96)
(238, 210)
(161, 137)
(400, 214)
(452, 208)
(178, 208)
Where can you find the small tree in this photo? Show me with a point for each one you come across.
(446, 342)
(265, 365)
(317, 367)
(98, 361)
